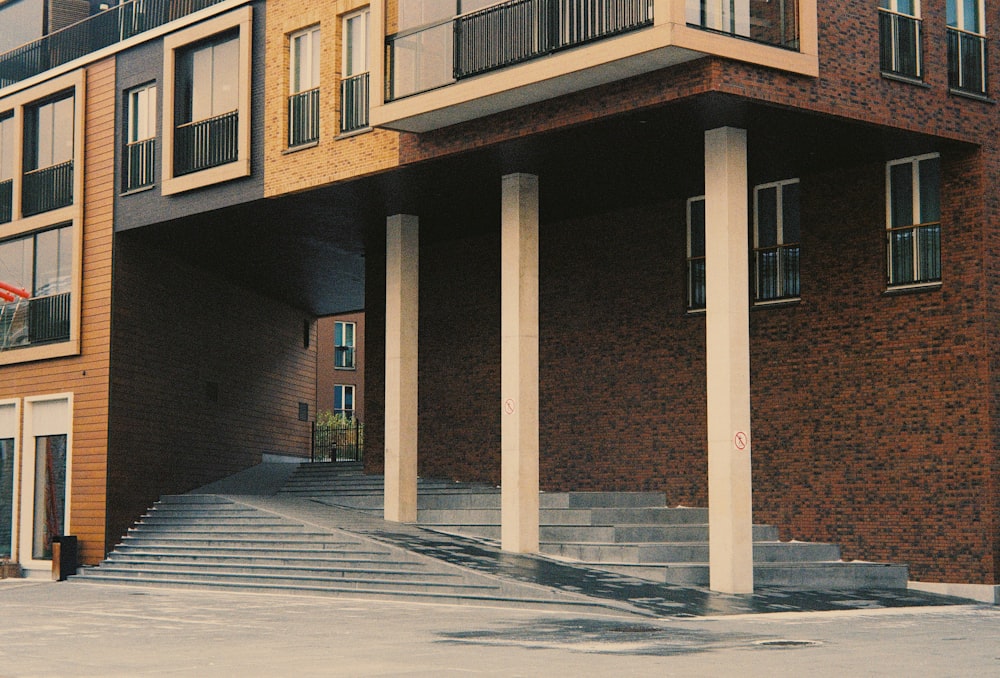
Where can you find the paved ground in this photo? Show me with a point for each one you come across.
(81, 630)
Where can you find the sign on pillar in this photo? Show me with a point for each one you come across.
(728, 361)
(519, 364)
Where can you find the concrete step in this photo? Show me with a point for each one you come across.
(797, 575)
(640, 533)
(693, 552)
(275, 557)
(319, 580)
(312, 570)
(330, 542)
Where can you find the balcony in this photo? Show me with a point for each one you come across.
(6, 201)
(354, 103)
(37, 321)
(343, 358)
(111, 26)
(47, 189)
(518, 52)
(206, 143)
(303, 118)
(967, 62)
(139, 161)
(899, 41)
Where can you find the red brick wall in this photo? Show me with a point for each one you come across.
(870, 410)
(206, 377)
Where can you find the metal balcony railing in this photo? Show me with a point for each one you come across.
(303, 117)
(502, 35)
(206, 143)
(777, 272)
(6, 201)
(696, 283)
(967, 61)
(96, 32)
(47, 189)
(343, 357)
(771, 22)
(915, 254)
(41, 320)
(899, 40)
(139, 161)
(354, 103)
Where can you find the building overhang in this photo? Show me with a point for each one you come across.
(669, 41)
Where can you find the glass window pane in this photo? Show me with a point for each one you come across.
(6, 495)
(696, 229)
(901, 195)
(338, 334)
(929, 248)
(790, 228)
(414, 13)
(906, 7)
(767, 217)
(62, 131)
(298, 46)
(201, 84)
(314, 59)
(970, 16)
(901, 256)
(53, 261)
(43, 146)
(225, 77)
(16, 260)
(50, 493)
(349, 334)
(930, 190)
(6, 148)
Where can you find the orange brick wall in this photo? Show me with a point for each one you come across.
(86, 375)
(333, 158)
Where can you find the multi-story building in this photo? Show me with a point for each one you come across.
(738, 252)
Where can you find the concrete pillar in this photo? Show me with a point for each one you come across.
(519, 363)
(728, 361)
(401, 287)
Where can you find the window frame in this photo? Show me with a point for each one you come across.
(889, 10)
(918, 227)
(693, 303)
(175, 44)
(779, 245)
(344, 389)
(958, 32)
(345, 348)
(304, 100)
(131, 137)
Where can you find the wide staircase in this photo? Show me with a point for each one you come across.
(322, 533)
(631, 533)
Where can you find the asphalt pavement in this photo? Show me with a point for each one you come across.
(82, 630)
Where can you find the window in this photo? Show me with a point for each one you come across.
(343, 400)
(913, 220)
(6, 166)
(696, 253)
(206, 101)
(6, 495)
(140, 138)
(303, 99)
(354, 85)
(343, 345)
(49, 494)
(776, 241)
(41, 266)
(48, 156)
(966, 46)
(899, 36)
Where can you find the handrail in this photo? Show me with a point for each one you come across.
(96, 32)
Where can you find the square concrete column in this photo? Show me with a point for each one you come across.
(728, 361)
(401, 288)
(519, 363)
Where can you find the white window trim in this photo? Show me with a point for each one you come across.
(27, 497)
(314, 34)
(352, 345)
(15, 433)
(354, 394)
(961, 23)
(914, 162)
(780, 216)
(688, 257)
(364, 11)
(242, 19)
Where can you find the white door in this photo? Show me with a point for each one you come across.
(45, 475)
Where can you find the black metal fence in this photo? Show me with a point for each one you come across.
(303, 117)
(518, 30)
(48, 319)
(899, 40)
(139, 161)
(206, 143)
(354, 103)
(6, 201)
(967, 61)
(338, 442)
(47, 189)
(97, 32)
